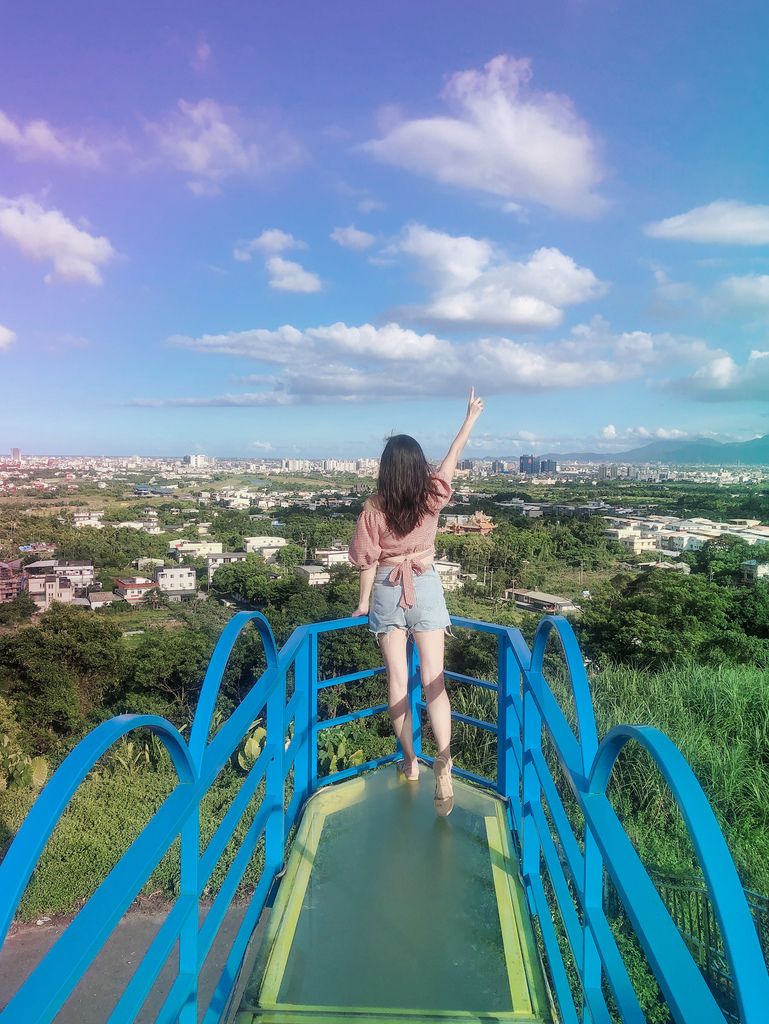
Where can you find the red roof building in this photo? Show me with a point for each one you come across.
(134, 588)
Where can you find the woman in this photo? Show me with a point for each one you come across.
(394, 545)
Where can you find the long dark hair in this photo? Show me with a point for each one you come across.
(405, 486)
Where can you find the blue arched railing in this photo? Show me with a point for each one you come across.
(553, 858)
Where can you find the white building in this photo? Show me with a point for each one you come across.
(449, 572)
(176, 582)
(101, 599)
(47, 588)
(538, 601)
(338, 555)
(315, 575)
(79, 574)
(752, 571)
(180, 549)
(134, 588)
(680, 540)
(633, 539)
(88, 517)
(267, 547)
(223, 558)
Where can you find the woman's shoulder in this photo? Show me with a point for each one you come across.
(441, 488)
(372, 504)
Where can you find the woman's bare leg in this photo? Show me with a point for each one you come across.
(430, 647)
(393, 646)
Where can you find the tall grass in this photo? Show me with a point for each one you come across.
(718, 717)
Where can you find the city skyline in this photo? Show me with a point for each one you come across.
(289, 231)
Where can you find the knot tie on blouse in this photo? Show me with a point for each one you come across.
(403, 576)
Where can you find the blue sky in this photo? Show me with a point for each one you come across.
(259, 229)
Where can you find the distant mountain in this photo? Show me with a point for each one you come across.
(703, 451)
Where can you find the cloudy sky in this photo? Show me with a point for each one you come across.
(288, 229)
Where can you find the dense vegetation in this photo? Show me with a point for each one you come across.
(687, 653)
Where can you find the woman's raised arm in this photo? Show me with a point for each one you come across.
(474, 410)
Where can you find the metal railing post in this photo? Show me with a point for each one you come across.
(508, 675)
(592, 890)
(312, 685)
(303, 719)
(531, 794)
(274, 836)
(415, 692)
(188, 936)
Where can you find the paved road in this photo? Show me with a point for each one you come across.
(100, 988)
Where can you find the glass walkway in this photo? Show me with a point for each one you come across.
(388, 912)
(382, 911)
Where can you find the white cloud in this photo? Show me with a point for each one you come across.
(37, 140)
(369, 205)
(723, 380)
(726, 221)
(642, 435)
(506, 139)
(291, 277)
(475, 286)
(341, 363)
(213, 142)
(7, 337)
(739, 296)
(270, 241)
(201, 57)
(42, 234)
(351, 238)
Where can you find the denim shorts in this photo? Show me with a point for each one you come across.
(428, 613)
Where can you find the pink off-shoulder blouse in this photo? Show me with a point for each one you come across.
(373, 543)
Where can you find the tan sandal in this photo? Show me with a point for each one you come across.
(402, 771)
(444, 790)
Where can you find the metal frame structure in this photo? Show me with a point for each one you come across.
(553, 859)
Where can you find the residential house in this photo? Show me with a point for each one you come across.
(101, 599)
(267, 547)
(11, 580)
(180, 549)
(538, 601)
(337, 554)
(178, 583)
(134, 588)
(315, 575)
(223, 558)
(449, 572)
(751, 571)
(47, 588)
(88, 517)
(79, 573)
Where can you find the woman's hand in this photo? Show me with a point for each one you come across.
(359, 612)
(474, 406)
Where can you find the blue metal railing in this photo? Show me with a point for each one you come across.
(552, 857)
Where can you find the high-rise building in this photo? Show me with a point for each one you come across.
(15, 454)
(548, 466)
(529, 464)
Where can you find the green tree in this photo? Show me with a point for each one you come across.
(289, 556)
(20, 609)
(60, 671)
(172, 663)
(659, 617)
